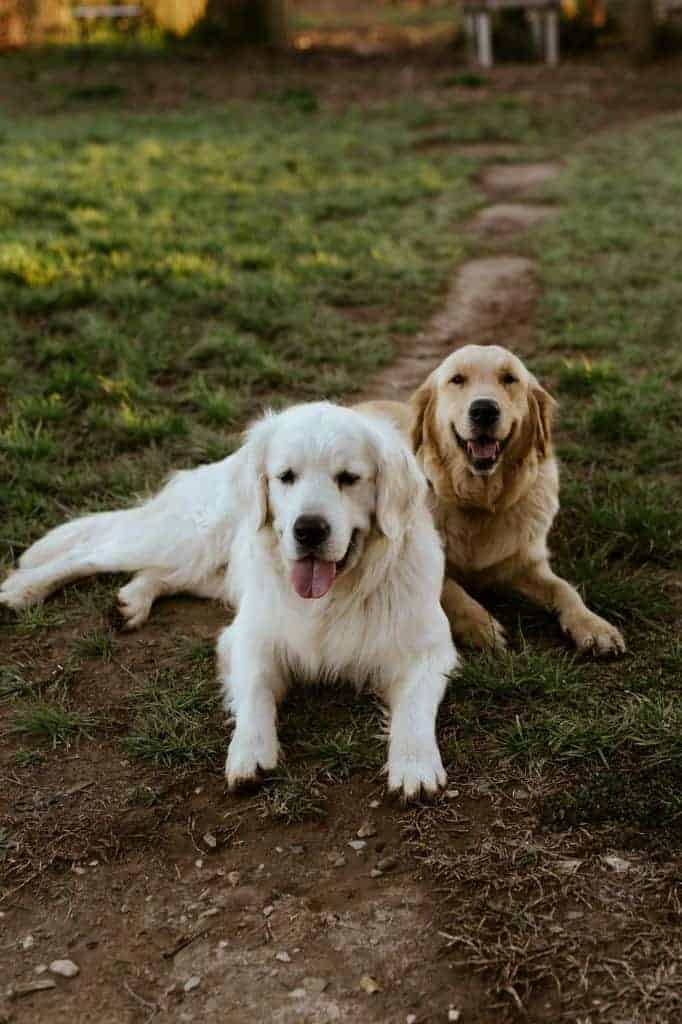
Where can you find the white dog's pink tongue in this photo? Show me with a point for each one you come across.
(311, 577)
(483, 449)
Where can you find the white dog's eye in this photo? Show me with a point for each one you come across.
(509, 378)
(287, 477)
(346, 479)
(457, 379)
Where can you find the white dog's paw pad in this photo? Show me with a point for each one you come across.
(134, 614)
(134, 605)
(416, 776)
(246, 762)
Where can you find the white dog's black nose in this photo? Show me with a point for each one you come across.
(311, 531)
(484, 412)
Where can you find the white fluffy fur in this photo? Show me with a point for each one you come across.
(225, 530)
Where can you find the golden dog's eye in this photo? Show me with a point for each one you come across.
(346, 479)
(509, 378)
(457, 379)
(287, 477)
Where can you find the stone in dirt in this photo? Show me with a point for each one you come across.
(65, 968)
(192, 983)
(569, 865)
(27, 988)
(518, 177)
(617, 864)
(367, 829)
(315, 986)
(503, 219)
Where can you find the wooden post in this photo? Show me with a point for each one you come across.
(484, 40)
(552, 38)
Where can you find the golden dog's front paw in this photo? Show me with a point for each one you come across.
(589, 632)
(483, 632)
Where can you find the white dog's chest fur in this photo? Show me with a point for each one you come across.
(347, 634)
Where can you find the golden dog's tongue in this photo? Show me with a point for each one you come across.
(311, 577)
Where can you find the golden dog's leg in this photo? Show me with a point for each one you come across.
(470, 623)
(588, 631)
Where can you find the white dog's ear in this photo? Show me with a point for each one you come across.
(254, 474)
(401, 486)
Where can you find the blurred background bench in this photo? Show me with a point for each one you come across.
(543, 17)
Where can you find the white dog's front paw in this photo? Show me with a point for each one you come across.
(248, 754)
(415, 768)
(20, 590)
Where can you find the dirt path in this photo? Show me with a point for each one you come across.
(212, 917)
(488, 299)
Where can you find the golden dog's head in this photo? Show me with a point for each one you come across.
(482, 410)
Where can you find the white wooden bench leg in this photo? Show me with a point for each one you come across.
(484, 40)
(552, 38)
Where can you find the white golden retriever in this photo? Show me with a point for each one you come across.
(317, 532)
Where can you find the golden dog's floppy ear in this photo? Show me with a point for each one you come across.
(542, 407)
(401, 486)
(253, 478)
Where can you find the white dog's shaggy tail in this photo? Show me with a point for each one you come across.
(103, 542)
(92, 529)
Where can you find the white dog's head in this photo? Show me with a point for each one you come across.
(323, 479)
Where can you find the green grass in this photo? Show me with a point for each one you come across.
(50, 722)
(164, 277)
(101, 643)
(176, 720)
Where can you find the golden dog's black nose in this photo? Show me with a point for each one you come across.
(484, 413)
(311, 531)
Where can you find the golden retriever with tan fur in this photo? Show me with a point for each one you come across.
(481, 427)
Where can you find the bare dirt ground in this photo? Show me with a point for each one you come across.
(198, 907)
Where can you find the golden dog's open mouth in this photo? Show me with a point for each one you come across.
(313, 577)
(483, 451)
